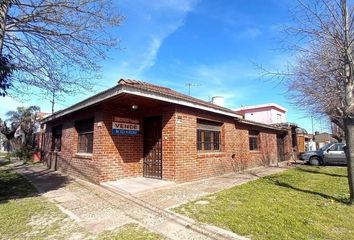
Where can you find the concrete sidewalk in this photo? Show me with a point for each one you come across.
(136, 185)
(97, 209)
(173, 196)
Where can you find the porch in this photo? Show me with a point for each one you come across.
(137, 185)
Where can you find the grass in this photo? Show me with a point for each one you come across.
(4, 162)
(3, 154)
(4, 158)
(301, 203)
(13, 185)
(130, 232)
(24, 214)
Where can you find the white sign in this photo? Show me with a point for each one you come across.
(125, 126)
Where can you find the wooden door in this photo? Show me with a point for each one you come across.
(280, 148)
(301, 143)
(153, 147)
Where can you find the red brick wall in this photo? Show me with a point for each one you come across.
(68, 160)
(169, 144)
(234, 154)
(119, 156)
(267, 153)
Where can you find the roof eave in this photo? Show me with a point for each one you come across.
(85, 103)
(176, 100)
(262, 125)
(137, 92)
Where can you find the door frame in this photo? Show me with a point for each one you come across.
(281, 146)
(152, 168)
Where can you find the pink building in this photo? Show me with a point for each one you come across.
(269, 113)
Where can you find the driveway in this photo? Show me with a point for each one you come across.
(100, 208)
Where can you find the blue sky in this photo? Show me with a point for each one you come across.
(216, 45)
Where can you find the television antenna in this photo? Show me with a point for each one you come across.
(189, 85)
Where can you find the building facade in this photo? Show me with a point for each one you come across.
(270, 113)
(140, 129)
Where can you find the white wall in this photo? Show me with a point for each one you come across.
(278, 116)
(265, 115)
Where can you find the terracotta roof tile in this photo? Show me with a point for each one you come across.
(170, 93)
(138, 85)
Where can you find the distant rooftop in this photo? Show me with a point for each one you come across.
(267, 105)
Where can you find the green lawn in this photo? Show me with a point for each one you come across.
(24, 214)
(301, 203)
(3, 154)
(129, 232)
(3, 158)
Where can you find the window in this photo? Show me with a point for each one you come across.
(340, 147)
(208, 136)
(333, 148)
(84, 129)
(337, 147)
(56, 138)
(254, 140)
(279, 118)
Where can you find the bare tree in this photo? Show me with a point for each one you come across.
(55, 45)
(320, 79)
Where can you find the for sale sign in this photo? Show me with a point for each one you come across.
(125, 126)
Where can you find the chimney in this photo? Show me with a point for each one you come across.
(218, 100)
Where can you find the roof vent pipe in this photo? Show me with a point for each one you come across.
(218, 100)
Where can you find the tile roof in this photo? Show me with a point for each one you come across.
(140, 86)
(170, 93)
(263, 125)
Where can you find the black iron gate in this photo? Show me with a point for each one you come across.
(153, 147)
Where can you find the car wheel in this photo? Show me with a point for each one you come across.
(315, 161)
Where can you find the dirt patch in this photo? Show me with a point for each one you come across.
(54, 226)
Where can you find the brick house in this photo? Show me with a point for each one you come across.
(140, 129)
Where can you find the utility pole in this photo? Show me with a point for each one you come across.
(53, 101)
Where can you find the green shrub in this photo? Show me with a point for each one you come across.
(25, 153)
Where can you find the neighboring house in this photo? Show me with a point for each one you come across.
(317, 140)
(322, 139)
(38, 130)
(270, 113)
(274, 114)
(140, 129)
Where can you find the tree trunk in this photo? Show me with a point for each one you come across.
(349, 138)
(4, 7)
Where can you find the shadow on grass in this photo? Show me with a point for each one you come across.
(15, 186)
(323, 195)
(318, 172)
(4, 162)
